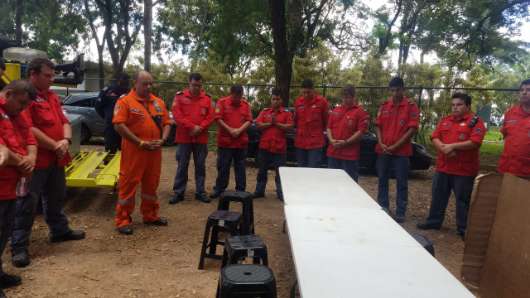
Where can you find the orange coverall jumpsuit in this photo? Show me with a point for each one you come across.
(138, 165)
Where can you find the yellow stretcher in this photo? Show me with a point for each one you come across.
(93, 169)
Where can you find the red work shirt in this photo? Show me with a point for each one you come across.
(136, 114)
(311, 117)
(189, 111)
(515, 158)
(451, 130)
(47, 115)
(273, 138)
(15, 134)
(343, 123)
(234, 115)
(393, 121)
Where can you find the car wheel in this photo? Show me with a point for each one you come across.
(85, 134)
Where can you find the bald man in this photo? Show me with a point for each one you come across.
(143, 123)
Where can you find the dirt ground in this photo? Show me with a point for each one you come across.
(162, 261)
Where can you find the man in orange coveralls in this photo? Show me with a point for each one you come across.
(143, 123)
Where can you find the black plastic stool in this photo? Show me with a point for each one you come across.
(246, 280)
(247, 208)
(237, 248)
(218, 221)
(425, 242)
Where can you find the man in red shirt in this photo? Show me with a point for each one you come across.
(53, 133)
(515, 158)
(273, 122)
(346, 125)
(193, 112)
(233, 118)
(457, 139)
(310, 118)
(17, 139)
(397, 121)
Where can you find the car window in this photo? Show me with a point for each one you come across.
(85, 101)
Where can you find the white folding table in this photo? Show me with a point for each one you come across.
(344, 246)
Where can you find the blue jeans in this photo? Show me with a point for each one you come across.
(184, 152)
(442, 184)
(400, 165)
(268, 160)
(48, 184)
(349, 166)
(308, 158)
(225, 156)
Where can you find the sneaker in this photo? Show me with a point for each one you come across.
(202, 197)
(20, 259)
(176, 198)
(258, 195)
(8, 280)
(69, 236)
(428, 226)
(125, 230)
(159, 222)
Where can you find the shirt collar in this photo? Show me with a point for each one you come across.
(403, 101)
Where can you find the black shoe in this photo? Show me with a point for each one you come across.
(69, 236)
(20, 259)
(428, 226)
(159, 222)
(215, 195)
(258, 195)
(399, 218)
(125, 230)
(176, 198)
(462, 234)
(8, 281)
(202, 197)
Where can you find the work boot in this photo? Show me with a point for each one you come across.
(125, 230)
(8, 280)
(428, 226)
(176, 198)
(159, 222)
(202, 197)
(258, 195)
(20, 259)
(68, 236)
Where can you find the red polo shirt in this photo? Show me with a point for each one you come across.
(188, 111)
(15, 134)
(452, 130)
(234, 115)
(515, 158)
(310, 119)
(344, 122)
(393, 121)
(47, 115)
(273, 138)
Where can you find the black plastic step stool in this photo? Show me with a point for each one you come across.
(425, 242)
(246, 280)
(218, 221)
(237, 248)
(247, 208)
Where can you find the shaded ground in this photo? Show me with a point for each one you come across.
(162, 262)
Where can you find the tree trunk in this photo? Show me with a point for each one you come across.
(283, 59)
(19, 11)
(148, 26)
(101, 68)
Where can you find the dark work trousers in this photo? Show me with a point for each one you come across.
(49, 185)
(7, 216)
(308, 158)
(442, 184)
(225, 156)
(268, 160)
(349, 166)
(112, 138)
(184, 152)
(400, 165)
